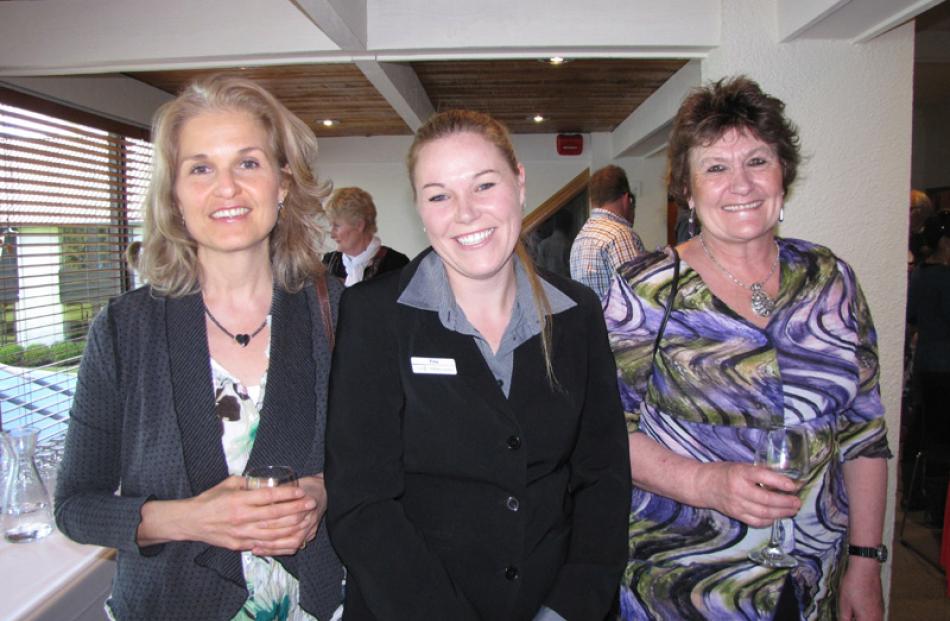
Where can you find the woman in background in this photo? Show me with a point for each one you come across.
(728, 335)
(220, 364)
(360, 254)
(477, 469)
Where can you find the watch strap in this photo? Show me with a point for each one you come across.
(879, 553)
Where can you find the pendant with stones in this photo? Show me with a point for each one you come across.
(762, 304)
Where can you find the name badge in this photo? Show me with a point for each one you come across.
(433, 366)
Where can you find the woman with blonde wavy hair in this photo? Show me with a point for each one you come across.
(478, 468)
(218, 366)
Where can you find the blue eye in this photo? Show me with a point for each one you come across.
(250, 164)
(198, 169)
(438, 198)
(716, 168)
(485, 186)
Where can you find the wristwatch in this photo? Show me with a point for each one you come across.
(879, 553)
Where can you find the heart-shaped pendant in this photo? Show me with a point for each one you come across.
(242, 339)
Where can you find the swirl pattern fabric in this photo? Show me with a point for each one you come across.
(715, 385)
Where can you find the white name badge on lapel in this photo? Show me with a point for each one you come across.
(433, 366)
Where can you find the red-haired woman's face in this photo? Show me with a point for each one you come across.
(470, 202)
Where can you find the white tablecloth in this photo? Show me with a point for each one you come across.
(54, 579)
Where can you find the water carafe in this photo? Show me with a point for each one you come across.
(27, 510)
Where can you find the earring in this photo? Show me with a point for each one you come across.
(691, 229)
(280, 205)
(781, 214)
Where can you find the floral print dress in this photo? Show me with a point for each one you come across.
(716, 384)
(273, 593)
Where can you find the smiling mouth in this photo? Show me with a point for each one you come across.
(234, 212)
(476, 238)
(743, 206)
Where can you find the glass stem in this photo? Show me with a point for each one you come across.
(775, 541)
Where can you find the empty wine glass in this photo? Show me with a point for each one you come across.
(269, 476)
(783, 450)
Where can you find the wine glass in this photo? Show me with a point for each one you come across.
(269, 476)
(783, 450)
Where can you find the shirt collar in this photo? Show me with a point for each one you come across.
(429, 289)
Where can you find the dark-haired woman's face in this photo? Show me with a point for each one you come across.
(736, 187)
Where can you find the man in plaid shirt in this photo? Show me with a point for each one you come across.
(606, 241)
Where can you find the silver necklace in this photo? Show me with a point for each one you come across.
(242, 338)
(762, 304)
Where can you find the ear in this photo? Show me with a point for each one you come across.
(285, 180)
(521, 178)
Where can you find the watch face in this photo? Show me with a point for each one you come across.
(882, 553)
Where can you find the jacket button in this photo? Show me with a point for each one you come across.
(512, 503)
(512, 573)
(514, 443)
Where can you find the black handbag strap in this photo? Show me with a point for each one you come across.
(674, 287)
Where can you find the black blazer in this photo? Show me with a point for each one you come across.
(143, 423)
(386, 260)
(449, 501)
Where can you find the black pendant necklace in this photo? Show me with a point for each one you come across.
(241, 339)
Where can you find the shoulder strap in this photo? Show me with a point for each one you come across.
(674, 287)
(323, 296)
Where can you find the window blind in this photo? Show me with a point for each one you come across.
(70, 204)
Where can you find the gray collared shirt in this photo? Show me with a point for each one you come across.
(429, 290)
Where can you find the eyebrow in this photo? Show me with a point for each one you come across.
(204, 156)
(436, 184)
(755, 151)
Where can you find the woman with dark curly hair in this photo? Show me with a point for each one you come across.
(731, 334)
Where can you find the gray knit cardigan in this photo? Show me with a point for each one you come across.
(143, 427)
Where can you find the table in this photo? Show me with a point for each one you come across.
(54, 579)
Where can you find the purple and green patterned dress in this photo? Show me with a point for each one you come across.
(717, 383)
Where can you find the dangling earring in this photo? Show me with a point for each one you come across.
(781, 214)
(280, 205)
(691, 229)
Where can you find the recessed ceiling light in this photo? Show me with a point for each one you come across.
(329, 122)
(557, 60)
(537, 118)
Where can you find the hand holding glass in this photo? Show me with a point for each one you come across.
(785, 451)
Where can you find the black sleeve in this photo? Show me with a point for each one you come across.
(399, 577)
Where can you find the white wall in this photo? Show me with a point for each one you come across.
(853, 106)
(378, 166)
(648, 173)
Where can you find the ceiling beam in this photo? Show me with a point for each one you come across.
(857, 22)
(400, 86)
(343, 21)
(645, 131)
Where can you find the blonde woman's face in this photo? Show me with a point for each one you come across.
(228, 183)
(470, 201)
(349, 236)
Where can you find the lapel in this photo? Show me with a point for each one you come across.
(200, 429)
(429, 338)
(193, 395)
(286, 431)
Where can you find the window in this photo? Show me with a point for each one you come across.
(71, 189)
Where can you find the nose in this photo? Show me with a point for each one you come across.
(224, 183)
(741, 181)
(465, 210)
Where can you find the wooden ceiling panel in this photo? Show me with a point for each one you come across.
(580, 96)
(313, 92)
